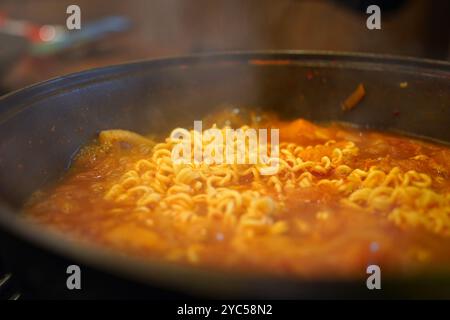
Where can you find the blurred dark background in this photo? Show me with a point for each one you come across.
(156, 28)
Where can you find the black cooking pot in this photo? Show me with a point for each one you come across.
(43, 126)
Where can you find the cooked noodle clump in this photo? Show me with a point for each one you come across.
(238, 196)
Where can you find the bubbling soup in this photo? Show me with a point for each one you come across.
(342, 198)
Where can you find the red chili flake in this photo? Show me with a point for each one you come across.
(396, 113)
(309, 75)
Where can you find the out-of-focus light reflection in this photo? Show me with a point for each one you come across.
(47, 33)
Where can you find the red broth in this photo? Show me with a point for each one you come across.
(380, 199)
